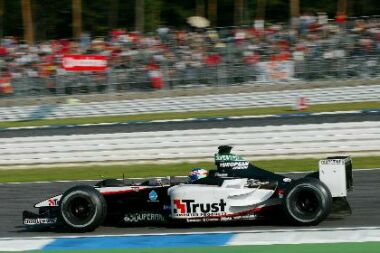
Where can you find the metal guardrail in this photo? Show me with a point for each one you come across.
(192, 103)
(257, 142)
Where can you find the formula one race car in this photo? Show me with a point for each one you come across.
(236, 191)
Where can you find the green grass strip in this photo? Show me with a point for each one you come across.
(193, 114)
(362, 247)
(151, 170)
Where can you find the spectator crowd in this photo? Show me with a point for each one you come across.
(170, 58)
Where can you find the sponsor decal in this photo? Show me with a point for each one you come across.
(143, 217)
(228, 157)
(35, 221)
(332, 162)
(188, 207)
(223, 219)
(246, 217)
(196, 220)
(153, 196)
(53, 202)
(235, 165)
(239, 218)
(286, 180)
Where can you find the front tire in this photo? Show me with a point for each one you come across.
(83, 208)
(308, 201)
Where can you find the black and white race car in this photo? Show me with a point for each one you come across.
(236, 191)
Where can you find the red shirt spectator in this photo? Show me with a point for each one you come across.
(213, 59)
(3, 51)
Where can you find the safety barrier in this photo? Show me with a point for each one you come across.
(318, 64)
(268, 141)
(192, 103)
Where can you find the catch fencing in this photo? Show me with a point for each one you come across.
(192, 103)
(224, 74)
(285, 141)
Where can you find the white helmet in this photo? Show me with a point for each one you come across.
(196, 174)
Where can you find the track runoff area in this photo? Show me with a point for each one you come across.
(300, 240)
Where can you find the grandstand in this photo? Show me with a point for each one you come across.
(211, 57)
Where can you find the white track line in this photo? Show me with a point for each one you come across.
(191, 119)
(298, 229)
(300, 237)
(23, 244)
(253, 237)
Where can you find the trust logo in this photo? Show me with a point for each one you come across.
(179, 206)
(190, 206)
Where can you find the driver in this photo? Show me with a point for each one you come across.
(196, 174)
(201, 176)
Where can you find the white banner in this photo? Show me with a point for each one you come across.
(275, 71)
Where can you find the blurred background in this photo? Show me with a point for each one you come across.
(154, 44)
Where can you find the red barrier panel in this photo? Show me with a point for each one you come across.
(84, 62)
(5, 85)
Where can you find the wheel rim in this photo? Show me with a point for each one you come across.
(80, 210)
(307, 203)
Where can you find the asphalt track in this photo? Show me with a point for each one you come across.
(288, 119)
(14, 198)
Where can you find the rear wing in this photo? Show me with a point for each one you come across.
(336, 173)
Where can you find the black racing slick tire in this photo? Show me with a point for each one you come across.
(307, 202)
(83, 208)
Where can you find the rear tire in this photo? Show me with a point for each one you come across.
(83, 208)
(307, 202)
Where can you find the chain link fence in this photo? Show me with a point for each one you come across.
(225, 74)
